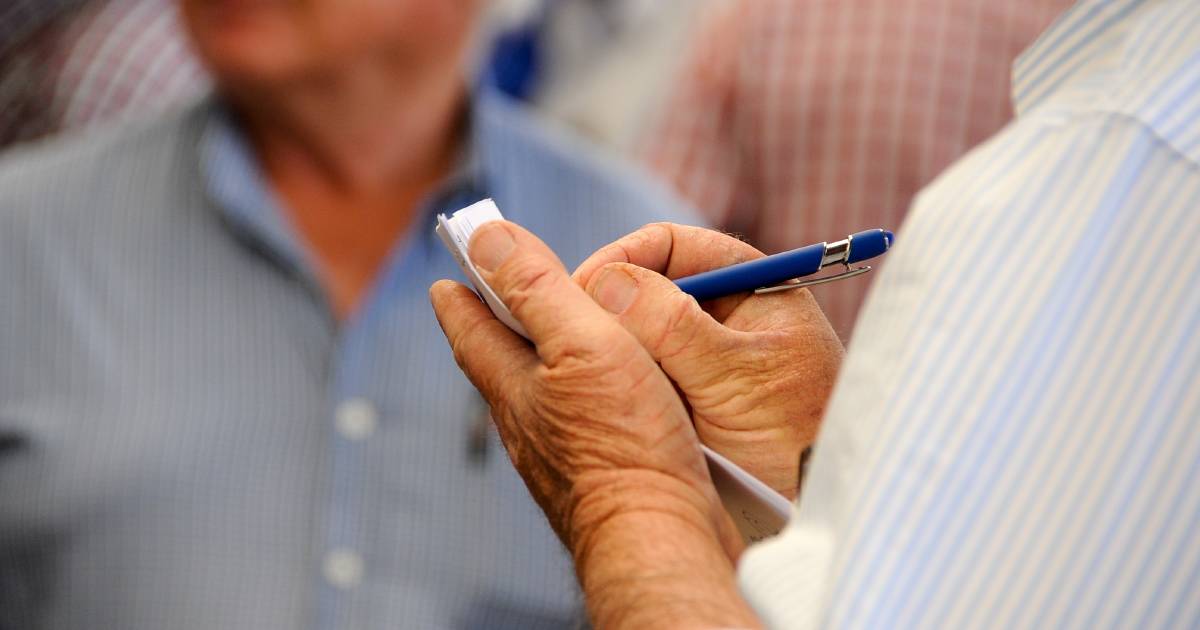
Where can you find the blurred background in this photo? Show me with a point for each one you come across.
(785, 121)
(601, 66)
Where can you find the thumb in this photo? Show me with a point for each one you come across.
(667, 322)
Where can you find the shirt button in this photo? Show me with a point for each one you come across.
(343, 568)
(356, 419)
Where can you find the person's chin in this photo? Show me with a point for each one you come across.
(236, 7)
(238, 66)
(238, 15)
(249, 53)
(243, 34)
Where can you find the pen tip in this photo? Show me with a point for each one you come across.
(889, 239)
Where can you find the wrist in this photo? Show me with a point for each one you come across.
(652, 550)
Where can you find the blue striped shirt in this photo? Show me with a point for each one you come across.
(189, 440)
(1013, 442)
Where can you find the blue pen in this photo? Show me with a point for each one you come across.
(768, 274)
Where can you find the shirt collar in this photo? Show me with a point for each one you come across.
(1073, 50)
(235, 183)
(237, 187)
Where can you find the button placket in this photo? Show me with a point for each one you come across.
(343, 568)
(356, 419)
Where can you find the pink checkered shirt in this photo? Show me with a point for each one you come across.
(800, 121)
(91, 64)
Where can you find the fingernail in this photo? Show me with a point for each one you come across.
(615, 291)
(491, 246)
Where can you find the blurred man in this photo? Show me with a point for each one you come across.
(223, 400)
(801, 121)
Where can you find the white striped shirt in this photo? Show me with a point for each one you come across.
(1013, 441)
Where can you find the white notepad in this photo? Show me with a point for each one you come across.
(456, 233)
(758, 510)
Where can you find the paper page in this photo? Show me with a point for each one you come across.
(758, 510)
(455, 233)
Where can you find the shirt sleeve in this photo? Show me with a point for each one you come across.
(1008, 445)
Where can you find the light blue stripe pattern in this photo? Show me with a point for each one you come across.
(1013, 441)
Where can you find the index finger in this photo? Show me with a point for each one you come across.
(675, 251)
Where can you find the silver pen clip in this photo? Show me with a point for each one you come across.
(837, 252)
(798, 284)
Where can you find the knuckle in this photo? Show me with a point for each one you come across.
(589, 365)
(464, 347)
(679, 330)
(599, 388)
(460, 345)
(639, 241)
(580, 361)
(660, 226)
(499, 386)
(525, 282)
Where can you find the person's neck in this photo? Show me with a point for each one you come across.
(359, 134)
(352, 157)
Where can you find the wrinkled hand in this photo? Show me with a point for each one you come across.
(590, 421)
(756, 370)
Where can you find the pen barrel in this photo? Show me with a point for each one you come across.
(755, 274)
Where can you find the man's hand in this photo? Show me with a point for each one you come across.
(756, 370)
(601, 438)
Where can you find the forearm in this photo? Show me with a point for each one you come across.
(658, 555)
